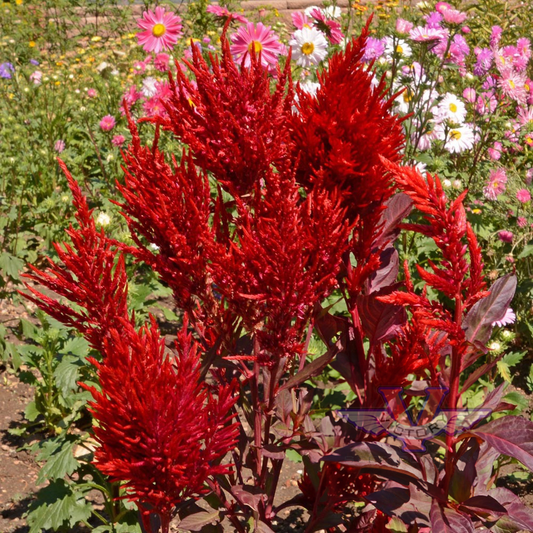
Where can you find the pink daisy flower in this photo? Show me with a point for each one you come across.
(453, 16)
(161, 62)
(523, 196)
(403, 26)
(508, 318)
(512, 86)
(422, 34)
(300, 20)
(496, 151)
(118, 140)
(259, 38)
(225, 13)
(521, 222)
(107, 123)
(496, 184)
(162, 30)
(506, 236)
(331, 28)
(91, 93)
(442, 6)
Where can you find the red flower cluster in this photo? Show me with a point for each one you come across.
(234, 125)
(93, 277)
(160, 431)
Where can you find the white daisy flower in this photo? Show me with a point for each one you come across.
(149, 88)
(310, 9)
(309, 47)
(450, 108)
(456, 140)
(103, 219)
(332, 12)
(399, 47)
(310, 87)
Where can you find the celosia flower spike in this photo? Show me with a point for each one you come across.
(93, 277)
(160, 432)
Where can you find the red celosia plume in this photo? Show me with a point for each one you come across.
(161, 432)
(234, 125)
(92, 276)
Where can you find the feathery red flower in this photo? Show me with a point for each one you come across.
(93, 277)
(232, 123)
(161, 433)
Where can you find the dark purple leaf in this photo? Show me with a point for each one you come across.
(389, 500)
(444, 520)
(381, 321)
(248, 495)
(273, 452)
(311, 370)
(484, 466)
(484, 506)
(196, 521)
(510, 435)
(398, 207)
(478, 372)
(464, 474)
(478, 322)
(387, 273)
(377, 456)
(518, 514)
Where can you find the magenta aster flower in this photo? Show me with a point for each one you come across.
(496, 184)
(259, 38)
(512, 86)
(496, 151)
(225, 13)
(118, 140)
(162, 30)
(453, 16)
(91, 93)
(403, 26)
(107, 123)
(59, 146)
(505, 236)
(422, 34)
(521, 222)
(523, 196)
(161, 62)
(495, 36)
(442, 6)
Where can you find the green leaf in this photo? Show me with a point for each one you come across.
(513, 358)
(503, 369)
(11, 265)
(517, 399)
(526, 252)
(293, 455)
(57, 507)
(529, 379)
(67, 374)
(75, 346)
(31, 412)
(60, 463)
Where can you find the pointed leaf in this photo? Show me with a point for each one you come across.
(478, 322)
(518, 515)
(377, 455)
(510, 435)
(195, 522)
(446, 520)
(484, 506)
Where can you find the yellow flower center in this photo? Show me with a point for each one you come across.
(453, 108)
(526, 87)
(511, 84)
(31, 44)
(399, 49)
(159, 30)
(256, 46)
(407, 96)
(307, 48)
(455, 134)
(306, 26)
